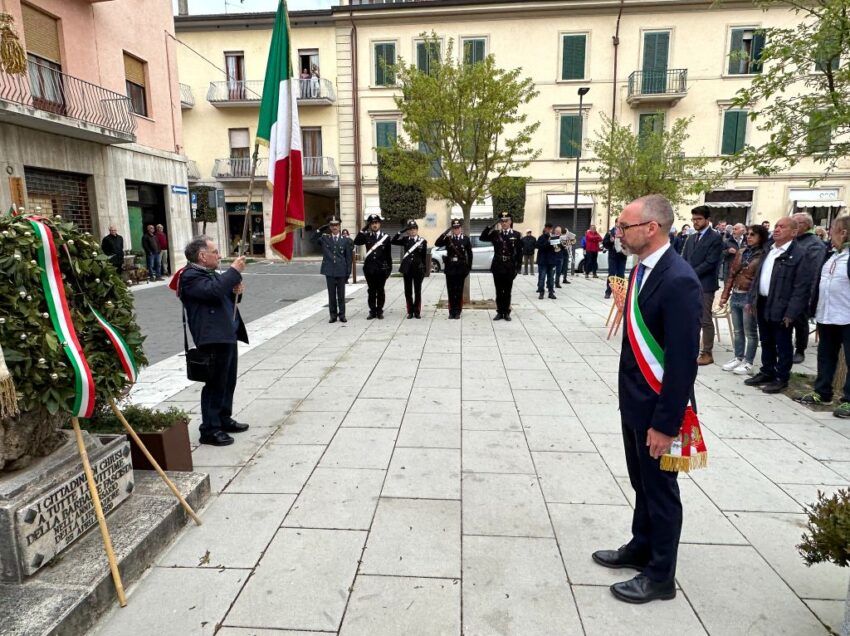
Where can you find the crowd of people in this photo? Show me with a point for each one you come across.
(154, 245)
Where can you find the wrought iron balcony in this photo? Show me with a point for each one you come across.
(316, 91)
(192, 170)
(658, 86)
(47, 99)
(319, 168)
(239, 169)
(230, 93)
(187, 99)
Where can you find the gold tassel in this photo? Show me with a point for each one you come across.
(8, 398)
(12, 55)
(673, 463)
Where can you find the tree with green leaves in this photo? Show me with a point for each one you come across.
(465, 120)
(651, 161)
(801, 94)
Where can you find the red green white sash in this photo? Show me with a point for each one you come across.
(688, 450)
(125, 355)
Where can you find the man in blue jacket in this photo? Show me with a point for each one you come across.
(209, 300)
(337, 252)
(546, 262)
(704, 251)
(655, 384)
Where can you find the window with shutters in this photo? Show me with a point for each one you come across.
(573, 56)
(240, 153)
(570, 136)
(649, 123)
(819, 134)
(384, 57)
(745, 47)
(656, 56)
(436, 166)
(474, 50)
(427, 55)
(734, 132)
(41, 34)
(134, 73)
(386, 132)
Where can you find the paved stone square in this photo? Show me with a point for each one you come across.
(443, 476)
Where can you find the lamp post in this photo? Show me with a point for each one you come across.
(584, 90)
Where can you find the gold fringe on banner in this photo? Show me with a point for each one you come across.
(8, 397)
(674, 463)
(12, 55)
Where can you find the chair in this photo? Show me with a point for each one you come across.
(618, 291)
(717, 313)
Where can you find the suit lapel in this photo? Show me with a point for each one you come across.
(655, 277)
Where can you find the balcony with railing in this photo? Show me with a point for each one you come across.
(319, 169)
(234, 94)
(663, 86)
(187, 99)
(192, 171)
(239, 169)
(316, 91)
(45, 98)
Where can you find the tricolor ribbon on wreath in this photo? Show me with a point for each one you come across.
(60, 317)
(688, 450)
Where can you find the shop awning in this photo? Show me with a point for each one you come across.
(821, 204)
(728, 204)
(483, 211)
(567, 201)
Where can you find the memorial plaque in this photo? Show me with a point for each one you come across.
(51, 522)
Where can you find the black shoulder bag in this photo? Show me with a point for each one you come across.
(199, 364)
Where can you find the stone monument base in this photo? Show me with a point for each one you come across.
(69, 595)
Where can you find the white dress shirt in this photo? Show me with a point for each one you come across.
(651, 261)
(767, 269)
(834, 293)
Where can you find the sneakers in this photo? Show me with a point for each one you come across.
(705, 358)
(745, 368)
(812, 398)
(733, 364)
(842, 410)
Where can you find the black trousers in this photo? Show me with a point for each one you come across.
(777, 348)
(591, 262)
(336, 295)
(413, 292)
(375, 283)
(504, 283)
(831, 338)
(657, 519)
(454, 287)
(801, 333)
(217, 394)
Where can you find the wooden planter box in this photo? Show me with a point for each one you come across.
(170, 448)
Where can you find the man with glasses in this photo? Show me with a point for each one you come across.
(704, 250)
(656, 379)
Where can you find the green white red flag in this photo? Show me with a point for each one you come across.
(278, 128)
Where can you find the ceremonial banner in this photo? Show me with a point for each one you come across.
(278, 128)
(125, 355)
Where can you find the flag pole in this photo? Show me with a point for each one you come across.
(247, 224)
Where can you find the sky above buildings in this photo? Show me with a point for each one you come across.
(250, 6)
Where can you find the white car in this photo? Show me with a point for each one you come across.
(482, 255)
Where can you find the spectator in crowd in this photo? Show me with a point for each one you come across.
(304, 83)
(732, 244)
(703, 250)
(162, 241)
(616, 257)
(815, 253)
(823, 235)
(779, 295)
(721, 228)
(546, 262)
(742, 272)
(592, 246)
(568, 239)
(831, 304)
(346, 234)
(113, 246)
(766, 225)
(314, 83)
(529, 242)
(560, 254)
(153, 254)
(681, 237)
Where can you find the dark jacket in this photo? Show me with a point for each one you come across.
(529, 243)
(742, 271)
(208, 299)
(671, 305)
(815, 255)
(729, 242)
(150, 244)
(704, 256)
(545, 251)
(458, 258)
(790, 285)
(336, 254)
(113, 247)
(380, 261)
(507, 250)
(412, 264)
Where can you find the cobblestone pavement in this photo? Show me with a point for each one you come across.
(438, 477)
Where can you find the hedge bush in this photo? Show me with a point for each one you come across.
(509, 196)
(399, 201)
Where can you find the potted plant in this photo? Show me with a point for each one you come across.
(828, 537)
(164, 433)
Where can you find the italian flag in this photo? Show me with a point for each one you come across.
(278, 129)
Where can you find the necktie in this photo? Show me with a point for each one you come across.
(640, 273)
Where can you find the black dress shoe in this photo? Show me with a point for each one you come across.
(417, 315)
(759, 379)
(218, 438)
(558, 285)
(799, 358)
(552, 295)
(777, 386)
(642, 589)
(234, 427)
(507, 317)
(332, 321)
(343, 319)
(617, 559)
(409, 316)
(498, 317)
(540, 295)
(380, 315)
(372, 315)
(566, 281)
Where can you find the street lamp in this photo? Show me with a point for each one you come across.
(584, 90)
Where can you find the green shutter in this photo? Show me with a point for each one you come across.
(384, 57)
(573, 61)
(755, 56)
(734, 131)
(656, 49)
(570, 136)
(820, 132)
(737, 64)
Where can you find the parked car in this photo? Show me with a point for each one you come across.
(482, 255)
(602, 261)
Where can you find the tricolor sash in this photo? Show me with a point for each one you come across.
(688, 450)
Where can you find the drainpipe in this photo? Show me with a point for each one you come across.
(182, 7)
(616, 41)
(355, 99)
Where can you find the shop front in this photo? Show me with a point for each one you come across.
(824, 204)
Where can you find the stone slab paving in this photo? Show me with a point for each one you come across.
(452, 477)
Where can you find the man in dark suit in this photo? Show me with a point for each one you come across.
(377, 265)
(457, 262)
(336, 266)
(704, 251)
(546, 262)
(208, 299)
(113, 246)
(779, 295)
(507, 260)
(815, 250)
(653, 396)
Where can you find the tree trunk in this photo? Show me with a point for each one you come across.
(840, 376)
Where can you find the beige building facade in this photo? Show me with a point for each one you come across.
(673, 58)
